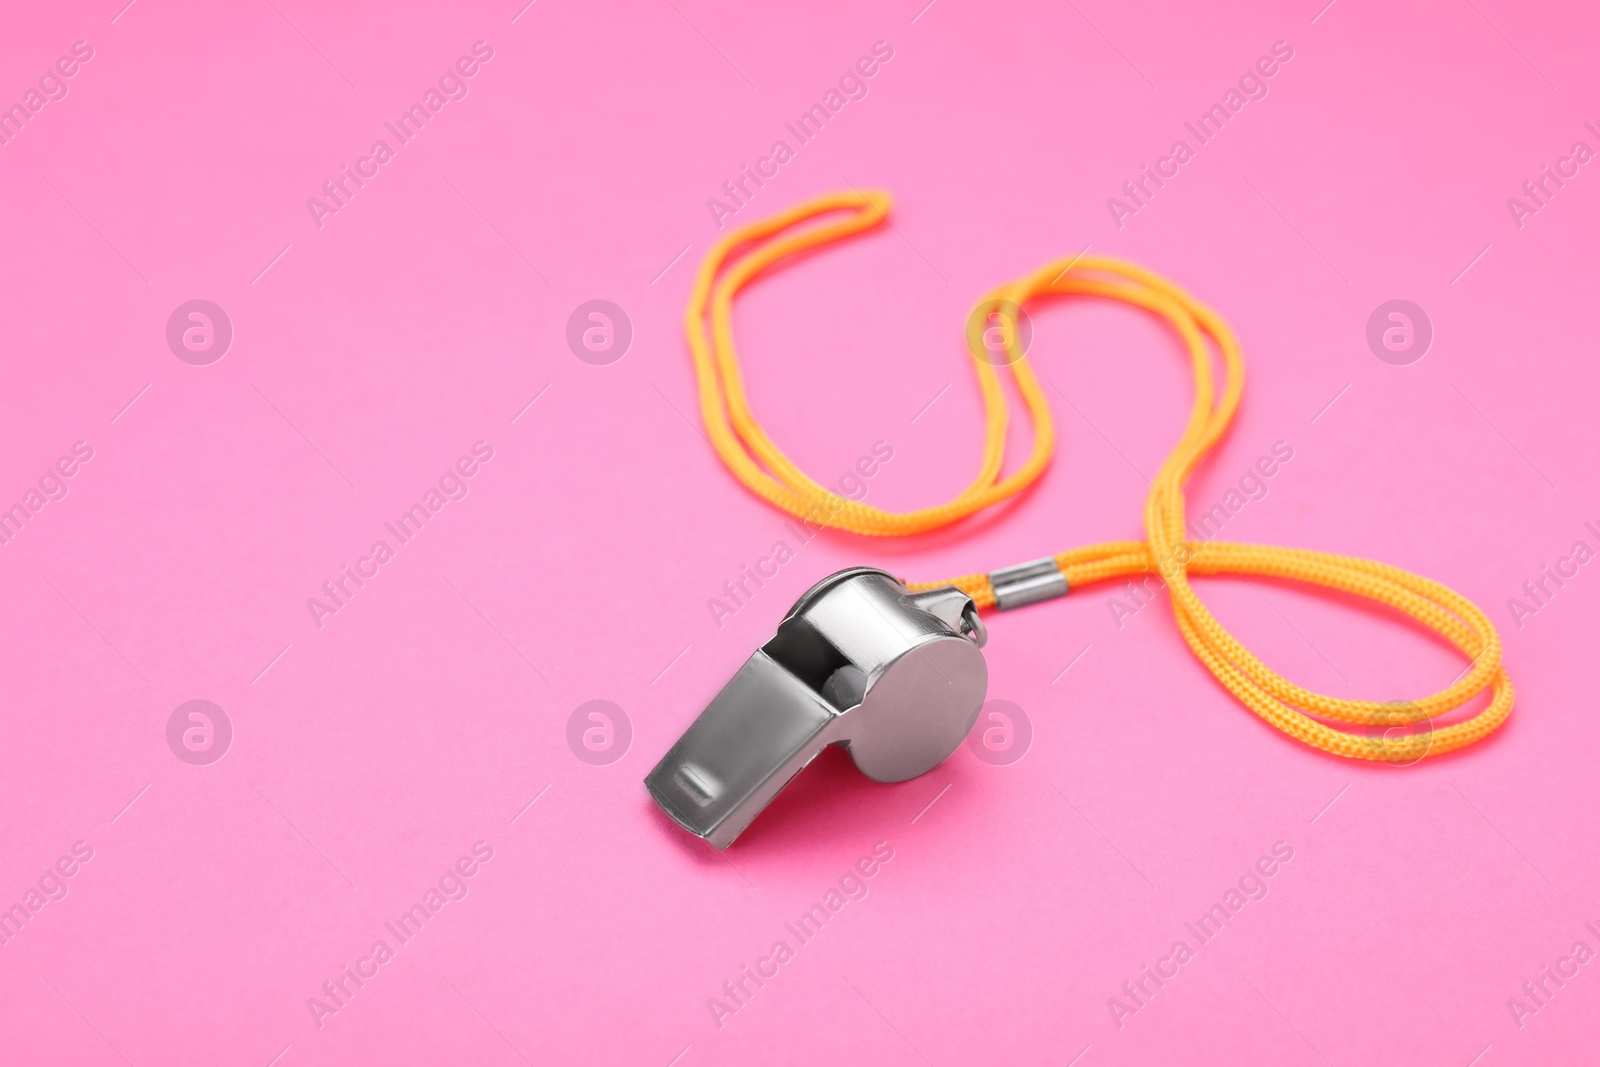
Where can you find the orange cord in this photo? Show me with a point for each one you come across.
(744, 446)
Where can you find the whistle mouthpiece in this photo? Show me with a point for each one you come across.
(896, 677)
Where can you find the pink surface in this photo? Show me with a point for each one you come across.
(374, 752)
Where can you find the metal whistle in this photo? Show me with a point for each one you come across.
(896, 677)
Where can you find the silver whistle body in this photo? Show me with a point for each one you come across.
(896, 677)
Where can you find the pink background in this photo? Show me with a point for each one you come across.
(370, 753)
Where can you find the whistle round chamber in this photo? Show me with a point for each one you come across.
(896, 677)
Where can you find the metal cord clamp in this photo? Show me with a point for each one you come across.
(1027, 583)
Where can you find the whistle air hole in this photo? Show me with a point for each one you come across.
(845, 687)
(801, 650)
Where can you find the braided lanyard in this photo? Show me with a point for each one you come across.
(744, 446)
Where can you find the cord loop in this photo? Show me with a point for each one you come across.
(756, 461)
